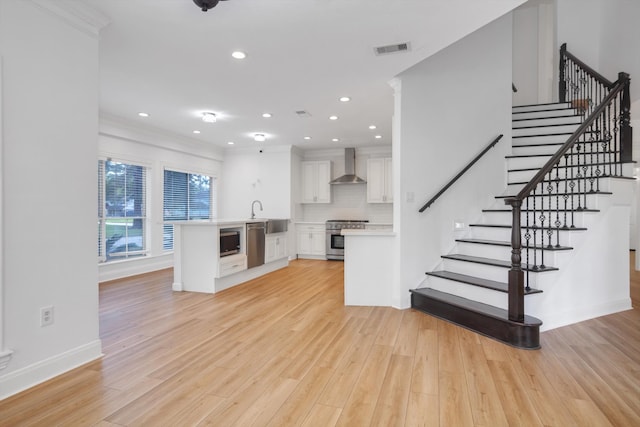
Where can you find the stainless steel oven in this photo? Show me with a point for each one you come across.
(335, 241)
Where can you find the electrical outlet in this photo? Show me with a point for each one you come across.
(458, 225)
(46, 315)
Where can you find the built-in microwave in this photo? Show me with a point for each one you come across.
(229, 242)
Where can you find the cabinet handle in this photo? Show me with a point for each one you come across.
(310, 236)
(315, 198)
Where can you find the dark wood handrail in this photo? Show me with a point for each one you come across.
(462, 172)
(539, 177)
(588, 69)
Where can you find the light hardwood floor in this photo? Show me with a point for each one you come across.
(283, 350)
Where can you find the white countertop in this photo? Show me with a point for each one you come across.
(221, 221)
(350, 232)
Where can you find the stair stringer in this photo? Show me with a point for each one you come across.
(593, 280)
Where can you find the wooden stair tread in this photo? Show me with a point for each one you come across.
(571, 116)
(477, 281)
(530, 227)
(468, 304)
(575, 193)
(575, 166)
(541, 210)
(508, 244)
(496, 262)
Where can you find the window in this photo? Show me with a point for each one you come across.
(186, 196)
(121, 210)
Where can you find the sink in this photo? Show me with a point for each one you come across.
(277, 226)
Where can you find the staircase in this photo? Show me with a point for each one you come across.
(470, 288)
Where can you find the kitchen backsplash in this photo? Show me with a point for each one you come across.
(349, 201)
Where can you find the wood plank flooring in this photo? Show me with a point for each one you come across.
(283, 350)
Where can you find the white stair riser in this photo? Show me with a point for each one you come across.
(503, 252)
(539, 161)
(553, 203)
(555, 106)
(475, 293)
(483, 271)
(545, 139)
(542, 114)
(544, 130)
(536, 162)
(604, 184)
(528, 150)
(537, 236)
(545, 121)
(505, 217)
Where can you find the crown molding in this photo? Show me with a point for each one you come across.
(120, 128)
(77, 14)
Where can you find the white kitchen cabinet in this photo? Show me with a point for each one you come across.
(232, 264)
(275, 247)
(315, 181)
(311, 241)
(379, 187)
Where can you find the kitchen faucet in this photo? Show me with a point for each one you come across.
(253, 215)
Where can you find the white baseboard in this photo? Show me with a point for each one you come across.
(29, 376)
(557, 320)
(131, 267)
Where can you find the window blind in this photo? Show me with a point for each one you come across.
(187, 196)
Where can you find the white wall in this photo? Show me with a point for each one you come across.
(253, 175)
(451, 106)
(156, 150)
(579, 26)
(525, 55)
(620, 41)
(50, 122)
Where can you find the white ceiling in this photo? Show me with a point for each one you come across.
(173, 61)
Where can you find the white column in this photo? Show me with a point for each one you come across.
(5, 353)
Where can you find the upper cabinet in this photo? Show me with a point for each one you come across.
(315, 182)
(379, 188)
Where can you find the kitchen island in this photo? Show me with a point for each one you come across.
(368, 267)
(200, 266)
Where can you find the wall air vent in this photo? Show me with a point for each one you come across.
(302, 113)
(392, 48)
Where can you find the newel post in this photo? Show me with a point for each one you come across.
(562, 85)
(626, 150)
(516, 275)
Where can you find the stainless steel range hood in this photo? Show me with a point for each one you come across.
(349, 176)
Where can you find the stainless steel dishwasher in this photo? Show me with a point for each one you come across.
(255, 244)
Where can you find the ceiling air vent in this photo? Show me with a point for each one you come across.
(392, 48)
(302, 113)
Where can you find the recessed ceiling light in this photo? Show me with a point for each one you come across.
(141, 114)
(208, 117)
(266, 115)
(372, 127)
(345, 99)
(230, 143)
(259, 137)
(378, 136)
(335, 140)
(239, 54)
(196, 131)
(333, 117)
(307, 138)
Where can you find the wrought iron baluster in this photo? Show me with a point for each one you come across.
(572, 185)
(616, 136)
(527, 238)
(535, 229)
(565, 196)
(558, 223)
